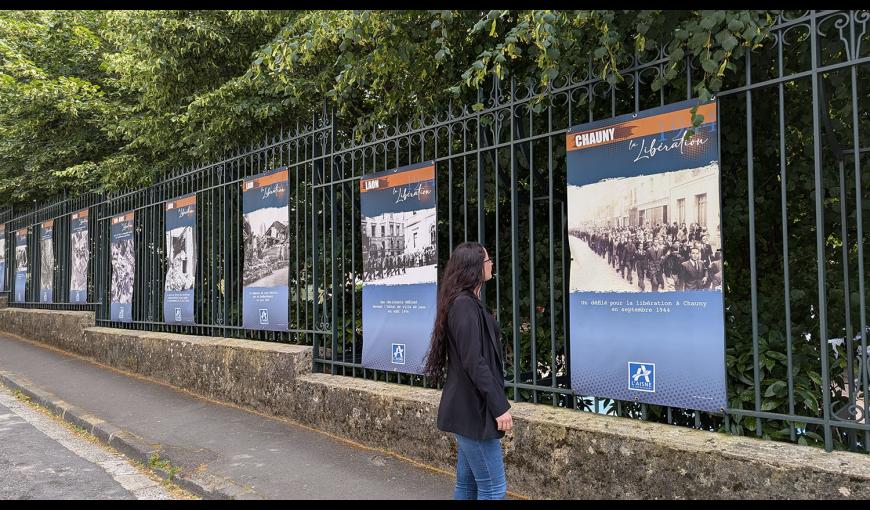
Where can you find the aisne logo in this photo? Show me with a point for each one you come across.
(372, 184)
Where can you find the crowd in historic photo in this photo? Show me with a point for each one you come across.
(123, 265)
(46, 265)
(20, 259)
(181, 262)
(79, 251)
(660, 257)
(649, 233)
(266, 240)
(399, 247)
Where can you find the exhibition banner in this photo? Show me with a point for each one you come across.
(123, 268)
(2, 258)
(266, 241)
(399, 290)
(180, 260)
(20, 264)
(46, 262)
(646, 307)
(79, 254)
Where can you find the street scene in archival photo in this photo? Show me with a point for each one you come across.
(79, 249)
(266, 247)
(20, 259)
(46, 264)
(651, 233)
(181, 260)
(399, 248)
(123, 264)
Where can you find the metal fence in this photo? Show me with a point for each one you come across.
(794, 129)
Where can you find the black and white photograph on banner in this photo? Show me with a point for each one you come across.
(266, 247)
(123, 265)
(181, 259)
(399, 248)
(2, 260)
(650, 233)
(79, 250)
(21, 259)
(46, 264)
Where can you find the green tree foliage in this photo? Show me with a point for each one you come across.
(53, 103)
(106, 99)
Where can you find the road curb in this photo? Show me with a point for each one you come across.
(205, 485)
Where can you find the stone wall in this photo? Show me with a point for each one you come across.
(259, 375)
(551, 453)
(58, 328)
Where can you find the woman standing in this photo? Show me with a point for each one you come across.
(465, 340)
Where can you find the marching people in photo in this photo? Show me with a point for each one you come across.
(394, 242)
(694, 272)
(625, 223)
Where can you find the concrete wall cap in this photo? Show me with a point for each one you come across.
(203, 340)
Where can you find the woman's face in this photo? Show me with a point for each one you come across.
(487, 266)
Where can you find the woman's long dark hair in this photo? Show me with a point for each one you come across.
(464, 272)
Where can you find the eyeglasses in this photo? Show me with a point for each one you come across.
(487, 260)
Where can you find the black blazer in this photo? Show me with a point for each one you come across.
(473, 395)
(692, 277)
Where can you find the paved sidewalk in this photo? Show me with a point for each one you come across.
(41, 459)
(265, 457)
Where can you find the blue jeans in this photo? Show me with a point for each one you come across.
(479, 469)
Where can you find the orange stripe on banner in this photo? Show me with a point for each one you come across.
(653, 125)
(181, 202)
(398, 179)
(267, 180)
(80, 214)
(47, 223)
(123, 217)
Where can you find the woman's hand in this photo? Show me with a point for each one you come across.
(505, 422)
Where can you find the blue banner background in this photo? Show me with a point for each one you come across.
(78, 225)
(273, 299)
(45, 293)
(687, 344)
(122, 312)
(178, 304)
(379, 201)
(20, 276)
(381, 328)
(411, 327)
(3, 262)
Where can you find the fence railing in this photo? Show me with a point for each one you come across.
(794, 166)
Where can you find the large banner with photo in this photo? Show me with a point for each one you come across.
(266, 240)
(46, 262)
(646, 307)
(180, 260)
(2, 258)
(123, 268)
(79, 255)
(399, 267)
(20, 264)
